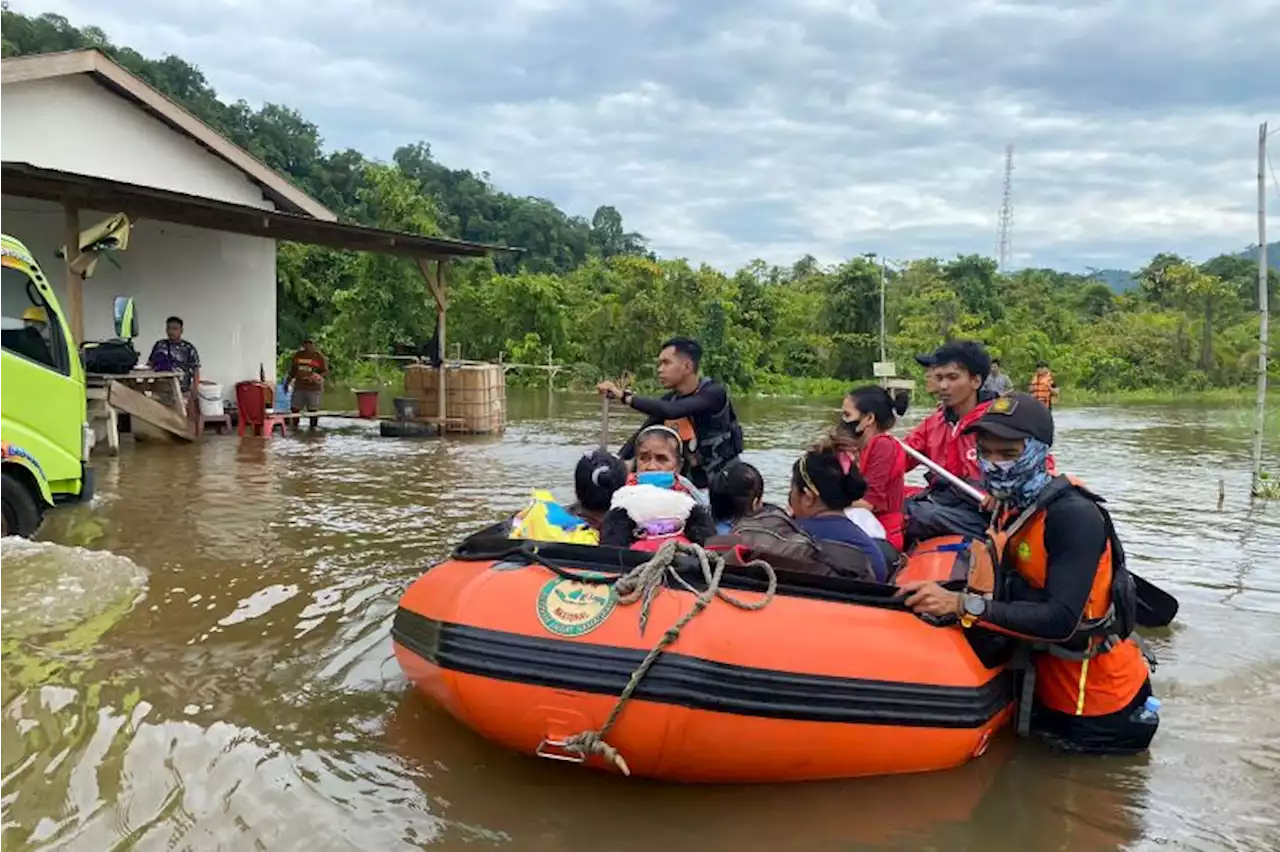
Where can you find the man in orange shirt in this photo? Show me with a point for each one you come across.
(306, 375)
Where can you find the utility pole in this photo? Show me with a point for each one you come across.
(883, 350)
(1264, 311)
(871, 256)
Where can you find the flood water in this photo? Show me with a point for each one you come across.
(200, 660)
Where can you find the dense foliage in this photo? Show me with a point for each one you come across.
(589, 293)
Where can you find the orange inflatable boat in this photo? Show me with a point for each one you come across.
(527, 644)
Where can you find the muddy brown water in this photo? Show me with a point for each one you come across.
(200, 660)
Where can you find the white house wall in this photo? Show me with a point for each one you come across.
(75, 125)
(222, 285)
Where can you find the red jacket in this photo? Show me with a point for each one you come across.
(883, 463)
(947, 444)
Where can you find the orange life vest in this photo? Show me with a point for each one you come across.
(1042, 388)
(1100, 667)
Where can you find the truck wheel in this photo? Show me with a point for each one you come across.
(21, 513)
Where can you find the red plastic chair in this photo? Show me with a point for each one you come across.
(251, 406)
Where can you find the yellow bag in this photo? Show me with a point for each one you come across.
(547, 520)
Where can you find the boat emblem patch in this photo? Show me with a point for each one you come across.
(574, 608)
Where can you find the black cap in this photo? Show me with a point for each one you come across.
(1017, 415)
(926, 360)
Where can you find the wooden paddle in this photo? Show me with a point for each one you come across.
(1156, 607)
(604, 422)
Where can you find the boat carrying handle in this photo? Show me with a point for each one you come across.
(545, 749)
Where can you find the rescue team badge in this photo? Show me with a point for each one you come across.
(1003, 405)
(1024, 551)
(573, 608)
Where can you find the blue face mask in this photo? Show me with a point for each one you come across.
(1020, 481)
(657, 478)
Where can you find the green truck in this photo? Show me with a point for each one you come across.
(44, 436)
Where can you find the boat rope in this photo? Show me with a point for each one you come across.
(641, 584)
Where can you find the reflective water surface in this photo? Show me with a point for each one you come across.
(200, 659)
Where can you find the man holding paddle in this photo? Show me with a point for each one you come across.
(697, 408)
(1068, 591)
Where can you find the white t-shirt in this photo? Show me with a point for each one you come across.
(866, 521)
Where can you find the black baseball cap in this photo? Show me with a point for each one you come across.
(1017, 415)
(968, 354)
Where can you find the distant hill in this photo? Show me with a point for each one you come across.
(1273, 255)
(1122, 280)
(1119, 280)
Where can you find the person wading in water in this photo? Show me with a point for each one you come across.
(1061, 584)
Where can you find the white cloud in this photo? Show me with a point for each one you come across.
(732, 129)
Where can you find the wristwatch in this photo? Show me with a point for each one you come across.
(626, 397)
(973, 608)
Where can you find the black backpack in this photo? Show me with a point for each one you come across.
(114, 357)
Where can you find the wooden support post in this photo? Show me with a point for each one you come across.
(113, 429)
(75, 284)
(442, 309)
(439, 288)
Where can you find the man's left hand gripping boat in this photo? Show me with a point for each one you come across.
(530, 645)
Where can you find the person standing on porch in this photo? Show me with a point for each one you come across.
(306, 374)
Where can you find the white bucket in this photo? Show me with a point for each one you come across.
(210, 397)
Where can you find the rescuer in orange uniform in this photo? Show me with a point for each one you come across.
(1061, 584)
(1042, 385)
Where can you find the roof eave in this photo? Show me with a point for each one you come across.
(275, 186)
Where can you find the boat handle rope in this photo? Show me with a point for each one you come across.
(641, 585)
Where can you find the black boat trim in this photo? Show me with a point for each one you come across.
(698, 684)
(571, 560)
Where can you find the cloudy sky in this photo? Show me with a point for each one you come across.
(731, 129)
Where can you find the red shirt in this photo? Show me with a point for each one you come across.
(883, 464)
(308, 371)
(947, 444)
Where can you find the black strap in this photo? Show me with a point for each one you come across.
(1025, 668)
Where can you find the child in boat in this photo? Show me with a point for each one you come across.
(736, 492)
(596, 478)
(749, 528)
(657, 503)
(598, 475)
(822, 488)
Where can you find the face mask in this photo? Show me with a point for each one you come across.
(1021, 480)
(657, 478)
(852, 428)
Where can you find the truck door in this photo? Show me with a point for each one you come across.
(42, 397)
